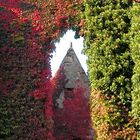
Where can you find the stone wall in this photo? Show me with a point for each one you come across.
(69, 76)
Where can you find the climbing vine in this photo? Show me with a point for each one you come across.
(105, 26)
(135, 39)
(27, 32)
(71, 110)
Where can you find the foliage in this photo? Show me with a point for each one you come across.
(71, 110)
(110, 113)
(73, 121)
(21, 57)
(27, 32)
(135, 46)
(105, 28)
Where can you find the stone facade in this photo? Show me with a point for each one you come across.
(72, 71)
(69, 76)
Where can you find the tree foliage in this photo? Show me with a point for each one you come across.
(135, 46)
(107, 46)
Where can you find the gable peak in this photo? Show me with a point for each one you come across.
(70, 44)
(70, 50)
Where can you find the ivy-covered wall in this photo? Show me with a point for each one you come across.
(135, 51)
(28, 30)
(107, 44)
(71, 101)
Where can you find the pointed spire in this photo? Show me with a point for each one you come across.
(70, 50)
(70, 44)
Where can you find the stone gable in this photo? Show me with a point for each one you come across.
(69, 76)
(73, 70)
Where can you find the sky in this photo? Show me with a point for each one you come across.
(62, 48)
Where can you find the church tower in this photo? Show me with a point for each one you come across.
(71, 96)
